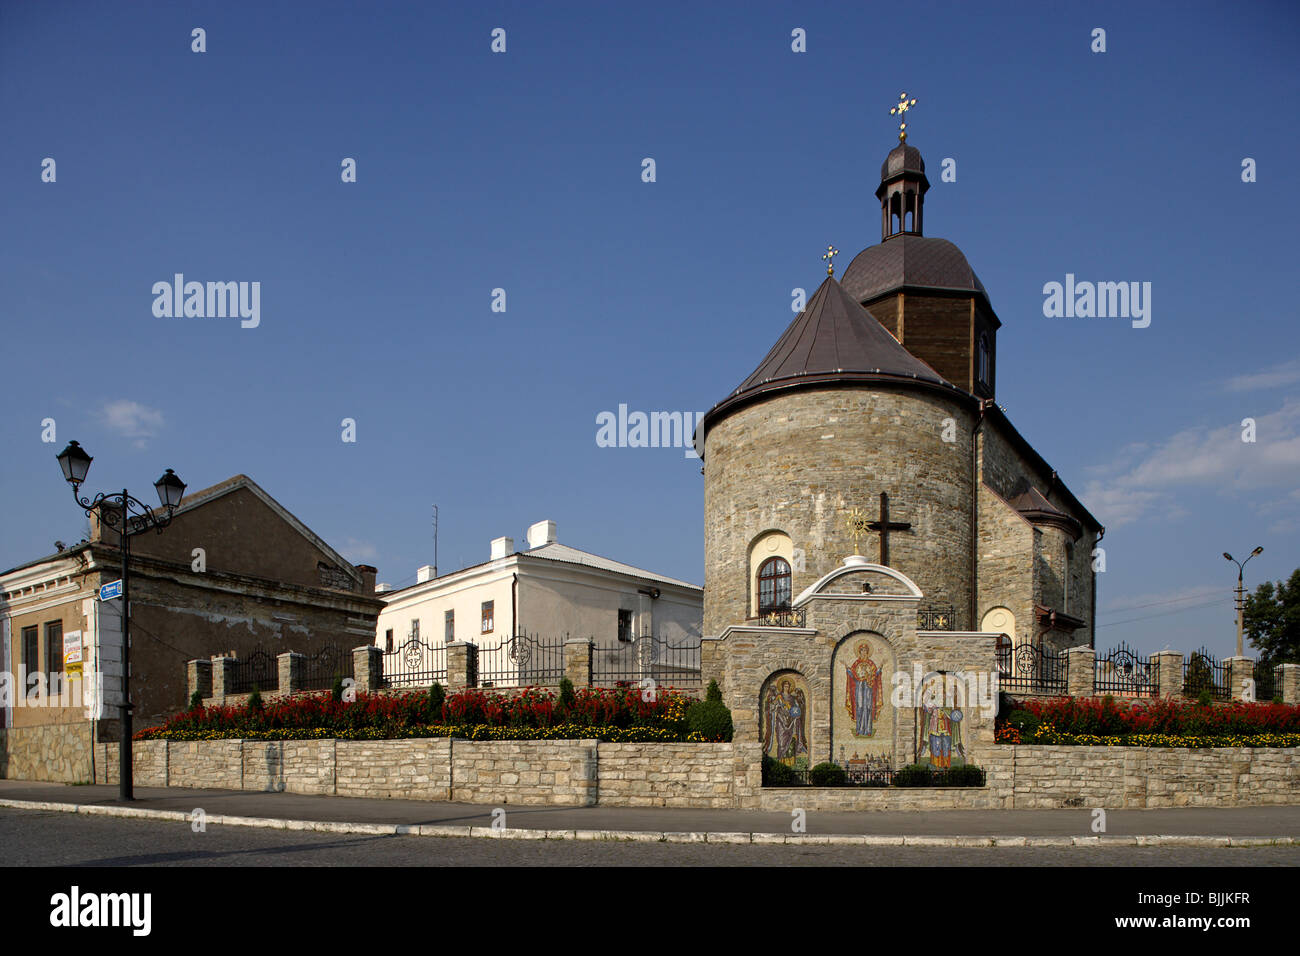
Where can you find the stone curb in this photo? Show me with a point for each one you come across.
(654, 836)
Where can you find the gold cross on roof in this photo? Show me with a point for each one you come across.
(829, 256)
(904, 104)
(858, 526)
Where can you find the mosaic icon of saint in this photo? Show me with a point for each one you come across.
(941, 733)
(785, 735)
(864, 698)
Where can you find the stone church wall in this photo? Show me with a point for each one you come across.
(798, 463)
(708, 775)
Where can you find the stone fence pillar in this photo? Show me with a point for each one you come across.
(289, 667)
(1081, 662)
(1288, 683)
(367, 668)
(223, 676)
(577, 661)
(462, 665)
(710, 663)
(1240, 670)
(1171, 672)
(198, 677)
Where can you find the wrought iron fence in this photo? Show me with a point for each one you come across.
(414, 664)
(1265, 682)
(258, 669)
(1123, 671)
(319, 671)
(1033, 670)
(1204, 672)
(671, 665)
(937, 617)
(781, 617)
(521, 660)
(906, 777)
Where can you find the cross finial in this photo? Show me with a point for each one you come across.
(829, 256)
(904, 104)
(859, 526)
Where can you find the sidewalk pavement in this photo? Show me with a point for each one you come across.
(1192, 826)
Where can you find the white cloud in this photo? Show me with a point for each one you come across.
(1163, 599)
(1146, 478)
(355, 551)
(1287, 373)
(132, 420)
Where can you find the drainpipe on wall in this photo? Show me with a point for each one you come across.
(514, 604)
(974, 513)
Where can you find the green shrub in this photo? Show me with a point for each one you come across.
(566, 697)
(714, 692)
(914, 775)
(827, 775)
(196, 700)
(255, 699)
(966, 775)
(1204, 699)
(437, 696)
(776, 774)
(709, 718)
(1023, 721)
(336, 691)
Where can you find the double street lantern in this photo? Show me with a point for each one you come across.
(1241, 592)
(127, 516)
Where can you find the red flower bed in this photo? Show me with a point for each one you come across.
(1105, 717)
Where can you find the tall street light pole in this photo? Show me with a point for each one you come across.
(1241, 592)
(126, 515)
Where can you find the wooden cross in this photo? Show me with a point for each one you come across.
(904, 104)
(829, 256)
(884, 526)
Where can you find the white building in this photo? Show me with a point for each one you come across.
(549, 591)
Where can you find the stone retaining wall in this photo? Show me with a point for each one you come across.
(589, 773)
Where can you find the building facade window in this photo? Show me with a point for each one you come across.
(388, 641)
(449, 627)
(54, 647)
(31, 649)
(415, 628)
(773, 585)
(624, 625)
(985, 360)
(487, 616)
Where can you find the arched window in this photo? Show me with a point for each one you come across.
(773, 585)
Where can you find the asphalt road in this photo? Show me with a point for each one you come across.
(43, 838)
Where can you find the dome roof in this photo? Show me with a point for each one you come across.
(910, 260)
(833, 340)
(902, 158)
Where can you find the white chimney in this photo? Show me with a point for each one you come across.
(543, 532)
(502, 547)
(426, 573)
(383, 588)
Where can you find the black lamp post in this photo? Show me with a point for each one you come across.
(126, 515)
(1241, 592)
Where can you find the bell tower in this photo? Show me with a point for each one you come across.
(902, 182)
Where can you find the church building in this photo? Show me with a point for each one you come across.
(873, 520)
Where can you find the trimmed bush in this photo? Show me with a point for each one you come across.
(776, 774)
(967, 775)
(914, 775)
(336, 690)
(437, 697)
(255, 699)
(827, 775)
(710, 719)
(196, 700)
(714, 692)
(1023, 721)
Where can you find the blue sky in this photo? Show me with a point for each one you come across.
(522, 171)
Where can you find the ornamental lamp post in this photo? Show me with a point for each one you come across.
(127, 515)
(1241, 592)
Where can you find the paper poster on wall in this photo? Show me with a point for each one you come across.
(72, 655)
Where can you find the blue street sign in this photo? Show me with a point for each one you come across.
(113, 589)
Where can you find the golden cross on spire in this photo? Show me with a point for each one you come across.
(904, 104)
(829, 256)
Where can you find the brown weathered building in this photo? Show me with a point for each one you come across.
(234, 571)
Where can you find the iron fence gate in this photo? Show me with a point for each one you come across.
(1122, 671)
(259, 669)
(521, 661)
(1204, 672)
(320, 670)
(1032, 670)
(414, 664)
(629, 662)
